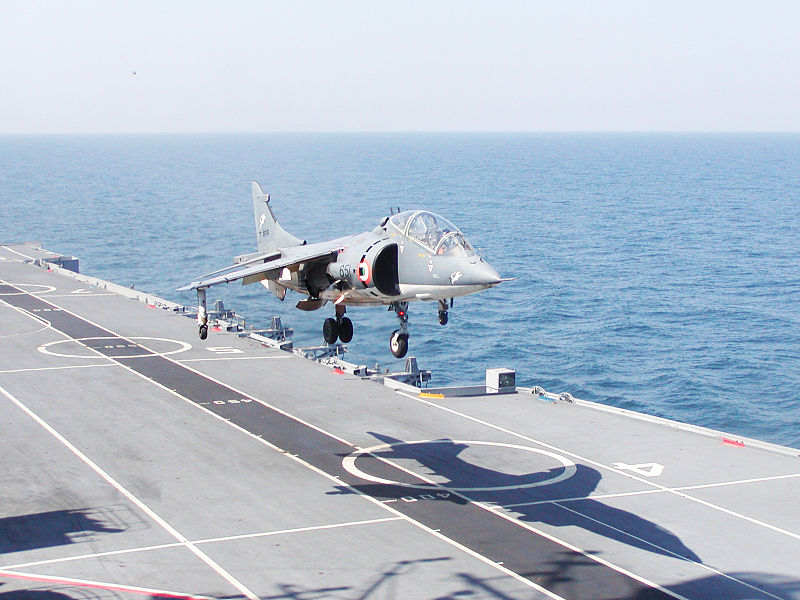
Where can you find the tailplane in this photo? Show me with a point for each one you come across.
(270, 235)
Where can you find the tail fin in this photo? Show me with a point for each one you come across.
(269, 233)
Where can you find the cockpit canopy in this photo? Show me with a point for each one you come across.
(434, 232)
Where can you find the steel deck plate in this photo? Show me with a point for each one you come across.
(140, 461)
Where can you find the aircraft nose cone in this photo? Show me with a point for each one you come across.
(482, 273)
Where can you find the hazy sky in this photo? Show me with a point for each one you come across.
(396, 66)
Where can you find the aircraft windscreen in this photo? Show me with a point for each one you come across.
(454, 244)
(436, 233)
(400, 220)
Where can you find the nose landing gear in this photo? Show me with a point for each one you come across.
(443, 317)
(340, 328)
(398, 342)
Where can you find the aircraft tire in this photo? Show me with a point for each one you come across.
(330, 331)
(443, 317)
(203, 332)
(398, 344)
(346, 330)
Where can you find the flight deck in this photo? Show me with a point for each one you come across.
(137, 461)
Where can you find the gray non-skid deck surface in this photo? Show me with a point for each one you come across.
(140, 460)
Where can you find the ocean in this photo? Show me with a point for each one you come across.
(654, 272)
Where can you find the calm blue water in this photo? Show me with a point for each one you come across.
(655, 272)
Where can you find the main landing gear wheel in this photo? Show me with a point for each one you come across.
(345, 330)
(330, 331)
(339, 328)
(203, 332)
(398, 344)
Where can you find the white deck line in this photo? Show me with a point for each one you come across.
(103, 585)
(18, 253)
(133, 499)
(28, 370)
(701, 486)
(229, 538)
(86, 295)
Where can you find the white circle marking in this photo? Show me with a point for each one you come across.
(349, 464)
(22, 286)
(183, 347)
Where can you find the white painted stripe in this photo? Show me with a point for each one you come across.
(658, 491)
(245, 536)
(577, 498)
(737, 482)
(18, 253)
(133, 499)
(57, 561)
(203, 541)
(99, 584)
(81, 295)
(109, 364)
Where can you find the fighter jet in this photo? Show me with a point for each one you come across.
(411, 255)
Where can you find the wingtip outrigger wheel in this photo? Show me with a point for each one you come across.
(202, 313)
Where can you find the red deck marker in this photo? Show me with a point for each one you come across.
(731, 442)
(98, 585)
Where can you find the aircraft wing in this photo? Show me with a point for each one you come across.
(268, 266)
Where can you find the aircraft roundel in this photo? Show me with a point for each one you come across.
(364, 272)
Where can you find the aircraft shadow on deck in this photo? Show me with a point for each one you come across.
(54, 528)
(384, 583)
(440, 459)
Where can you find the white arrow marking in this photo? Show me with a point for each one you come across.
(651, 469)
